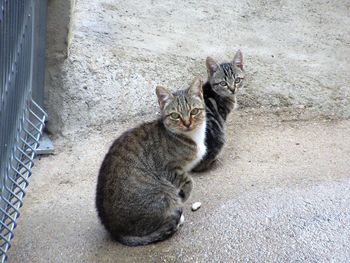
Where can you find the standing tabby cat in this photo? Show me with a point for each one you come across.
(143, 179)
(224, 80)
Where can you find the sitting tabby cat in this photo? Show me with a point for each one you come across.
(143, 179)
(224, 80)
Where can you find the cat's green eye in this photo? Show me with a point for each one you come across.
(237, 80)
(223, 83)
(175, 116)
(194, 111)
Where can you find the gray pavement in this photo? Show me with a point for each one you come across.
(281, 193)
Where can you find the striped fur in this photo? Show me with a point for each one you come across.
(143, 179)
(224, 81)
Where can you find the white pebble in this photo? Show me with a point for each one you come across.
(196, 206)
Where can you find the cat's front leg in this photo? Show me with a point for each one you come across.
(235, 103)
(186, 188)
(183, 182)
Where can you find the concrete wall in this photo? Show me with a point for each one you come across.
(295, 56)
(58, 39)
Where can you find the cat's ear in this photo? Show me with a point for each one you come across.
(196, 88)
(238, 59)
(212, 65)
(163, 96)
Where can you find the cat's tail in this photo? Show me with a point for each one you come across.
(162, 233)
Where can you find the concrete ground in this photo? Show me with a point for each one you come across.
(281, 193)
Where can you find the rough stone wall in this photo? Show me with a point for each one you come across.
(295, 56)
(58, 40)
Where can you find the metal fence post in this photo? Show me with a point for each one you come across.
(22, 54)
(39, 47)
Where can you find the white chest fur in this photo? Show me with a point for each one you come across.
(198, 136)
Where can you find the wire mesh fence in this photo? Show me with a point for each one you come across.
(21, 119)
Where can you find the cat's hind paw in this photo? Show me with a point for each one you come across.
(181, 222)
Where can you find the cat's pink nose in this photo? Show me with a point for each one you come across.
(187, 124)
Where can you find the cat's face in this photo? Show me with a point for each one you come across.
(226, 78)
(184, 110)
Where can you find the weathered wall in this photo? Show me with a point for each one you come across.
(295, 56)
(58, 39)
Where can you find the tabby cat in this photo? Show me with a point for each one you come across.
(143, 180)
(224, 80)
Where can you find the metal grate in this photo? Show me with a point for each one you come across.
(21, 119)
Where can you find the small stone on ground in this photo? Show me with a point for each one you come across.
(196, 206)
